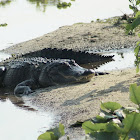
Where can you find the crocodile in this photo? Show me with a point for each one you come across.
(24, 75)
(80, 57)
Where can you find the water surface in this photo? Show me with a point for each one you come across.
(20, 122)
(27, 19)
(123, 58)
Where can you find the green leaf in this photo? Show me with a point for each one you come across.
(138, 44)
(110, 106)
(112, 127)
(58, 131)
(99, 119)
(137, 14)
(68, 138)
(131, 7)
(61, 129)
(104, 136)
(135, 93)
(133, 25)
(135, 134)
(3, 25)
(53, 134)
(137, 69)
(137, 2)
(47, 136)
(101, 131)
(131, 122)
(136, 50)
(90, 127)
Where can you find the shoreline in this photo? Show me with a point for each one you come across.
(82, 101)
(93, 36)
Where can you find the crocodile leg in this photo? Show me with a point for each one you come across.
(25, 88)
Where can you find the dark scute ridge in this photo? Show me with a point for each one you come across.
(81, 57)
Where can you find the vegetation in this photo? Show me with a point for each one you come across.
(5, 2)
(3, 25)
(63, 5)
(134, 5)
(42, 4)
(130, 28)
(53, 134)
(114, 121)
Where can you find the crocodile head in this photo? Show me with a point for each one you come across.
(64, 72)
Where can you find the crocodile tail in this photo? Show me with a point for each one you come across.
(81, 57)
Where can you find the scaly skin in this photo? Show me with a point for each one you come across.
(80, 57)
(26, 74)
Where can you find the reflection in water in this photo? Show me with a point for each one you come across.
(3, 24)
(6, 94)
(123, 58)
(4, 2)
(42, 4)
(25, 22)
(19, 121)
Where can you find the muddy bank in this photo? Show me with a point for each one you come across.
(82, 101)
(83, 36)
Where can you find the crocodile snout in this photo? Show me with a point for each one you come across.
(88, 72)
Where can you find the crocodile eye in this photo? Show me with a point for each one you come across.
(72, 62)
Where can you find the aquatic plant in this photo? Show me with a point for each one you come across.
(42, 4)
(53, 134)
(5, 2)
(3, 25)
(135, 22)
(114, 122)
(63, 5)
(134, 5)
